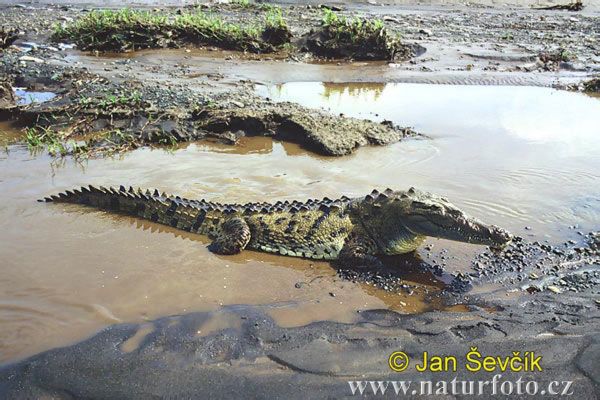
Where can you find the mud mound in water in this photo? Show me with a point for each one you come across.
(277, 35)
(355, 38)
(592, 86)
(128, 29)
(99, 118)
(317, 131)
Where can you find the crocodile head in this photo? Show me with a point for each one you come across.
(400, 220)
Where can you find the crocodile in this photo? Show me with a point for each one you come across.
(352, 230)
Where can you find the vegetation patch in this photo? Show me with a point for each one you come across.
(131, 29)
(592, 86)
(356, 38)
(101, 125)
(276, 30)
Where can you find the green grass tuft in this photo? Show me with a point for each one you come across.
(356, 37)
(132, 29)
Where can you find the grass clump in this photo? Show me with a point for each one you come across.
(276, 30)
(358, 38)
(39, 137)
(132, 29)
(592, 86)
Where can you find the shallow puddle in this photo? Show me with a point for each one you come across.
(515, 157)
(28, 97)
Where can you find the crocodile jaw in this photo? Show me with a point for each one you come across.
(462, 229)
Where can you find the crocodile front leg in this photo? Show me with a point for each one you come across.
(358, 252)
(233, 237)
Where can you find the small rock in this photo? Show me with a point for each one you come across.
(554, 289)
(237, 103)
(31, 59)
(391, 19)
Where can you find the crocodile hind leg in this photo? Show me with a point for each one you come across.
(358, 252)
(233, 238)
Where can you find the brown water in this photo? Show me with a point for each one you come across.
(512, 156)
(68, 271)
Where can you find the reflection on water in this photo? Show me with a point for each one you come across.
(28, 97)
(515, 157)
(338, 91)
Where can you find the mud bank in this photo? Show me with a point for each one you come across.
(93, 116)
(251, 356)
(335, 37)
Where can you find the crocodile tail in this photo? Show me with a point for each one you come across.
(168, 210)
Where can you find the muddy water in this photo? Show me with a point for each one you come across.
(512, 156)
(68, 271)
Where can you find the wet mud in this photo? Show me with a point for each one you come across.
(7, 95)
(106, 118)
(155, 359)
(265, 30)
(592, 86)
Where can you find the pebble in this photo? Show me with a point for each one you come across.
(554, 289)
(31, 59)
